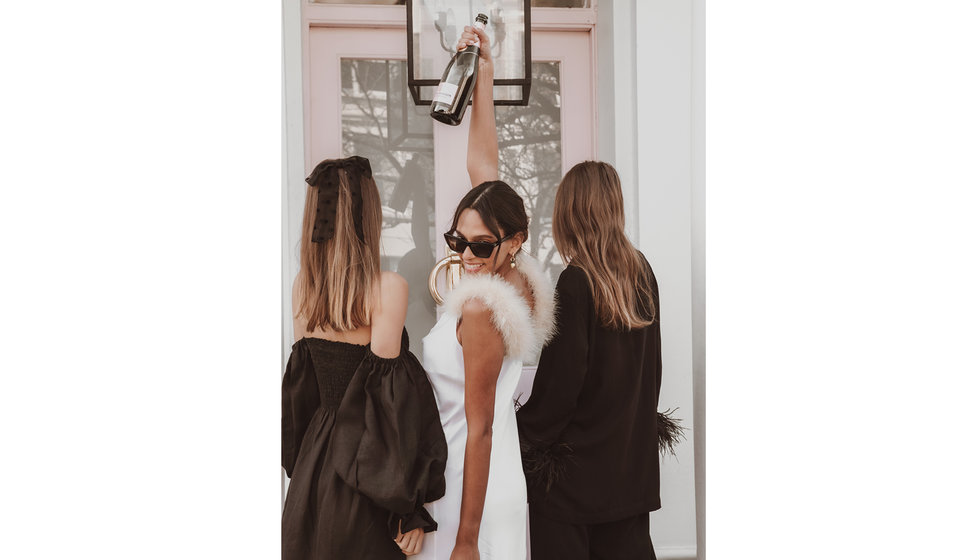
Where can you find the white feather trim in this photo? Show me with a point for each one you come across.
(524, 332)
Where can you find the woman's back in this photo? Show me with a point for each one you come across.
(389, 289)
(502, 528)
(590, 424)
(361, 440)
(506, 494)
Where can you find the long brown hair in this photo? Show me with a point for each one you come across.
(338, 276)
(589, 230)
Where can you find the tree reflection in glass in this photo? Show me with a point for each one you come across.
(530, 158)
(380, 122)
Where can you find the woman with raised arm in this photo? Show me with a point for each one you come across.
(499, 314)
(590, 429)
(361, 436)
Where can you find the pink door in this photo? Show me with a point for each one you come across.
(357, 102)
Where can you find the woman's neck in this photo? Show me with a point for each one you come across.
(513, 276)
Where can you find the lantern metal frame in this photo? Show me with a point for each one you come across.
(415, 84)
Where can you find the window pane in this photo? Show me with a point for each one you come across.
(381, 123)
(530, 158)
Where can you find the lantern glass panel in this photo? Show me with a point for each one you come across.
(437, 25)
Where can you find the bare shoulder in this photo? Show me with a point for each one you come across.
(476, 330)
(393, 281)
(475, 308)
(477, 317)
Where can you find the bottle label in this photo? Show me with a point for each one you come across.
(445, 93)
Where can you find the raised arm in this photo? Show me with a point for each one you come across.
(481, 153)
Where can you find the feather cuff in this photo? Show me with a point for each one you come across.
(669, 432)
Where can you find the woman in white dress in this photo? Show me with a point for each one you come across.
(499, 315)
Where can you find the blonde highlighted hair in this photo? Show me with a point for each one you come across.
(339, 275)
(589, 231)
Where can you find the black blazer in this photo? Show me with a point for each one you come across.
(589, 428)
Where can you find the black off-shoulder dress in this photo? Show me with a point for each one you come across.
(364, 449)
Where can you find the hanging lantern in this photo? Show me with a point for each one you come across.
(434, 27)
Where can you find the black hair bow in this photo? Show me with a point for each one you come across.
(326, 179)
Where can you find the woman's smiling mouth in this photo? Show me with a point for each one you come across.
(472, 267)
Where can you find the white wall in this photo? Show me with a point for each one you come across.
(698, 254)
(294, 176)
(668, 227)
(616, 96)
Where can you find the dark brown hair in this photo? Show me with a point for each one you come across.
(499, 206)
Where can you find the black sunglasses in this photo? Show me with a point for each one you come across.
(480, 249)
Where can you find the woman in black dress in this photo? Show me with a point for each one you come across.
(589, 430)
(361, 438)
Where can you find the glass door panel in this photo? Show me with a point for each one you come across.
(357, 103)
(530, 158)
(379, 122)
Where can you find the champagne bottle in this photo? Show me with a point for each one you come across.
(456, 87)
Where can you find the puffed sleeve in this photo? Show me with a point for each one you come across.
(388, 441)
(300, 399)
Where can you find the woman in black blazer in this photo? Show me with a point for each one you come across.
(590, 427)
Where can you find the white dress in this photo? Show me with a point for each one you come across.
(503, 529)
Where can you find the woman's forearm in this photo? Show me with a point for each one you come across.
(476, 473)
(481, 156)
